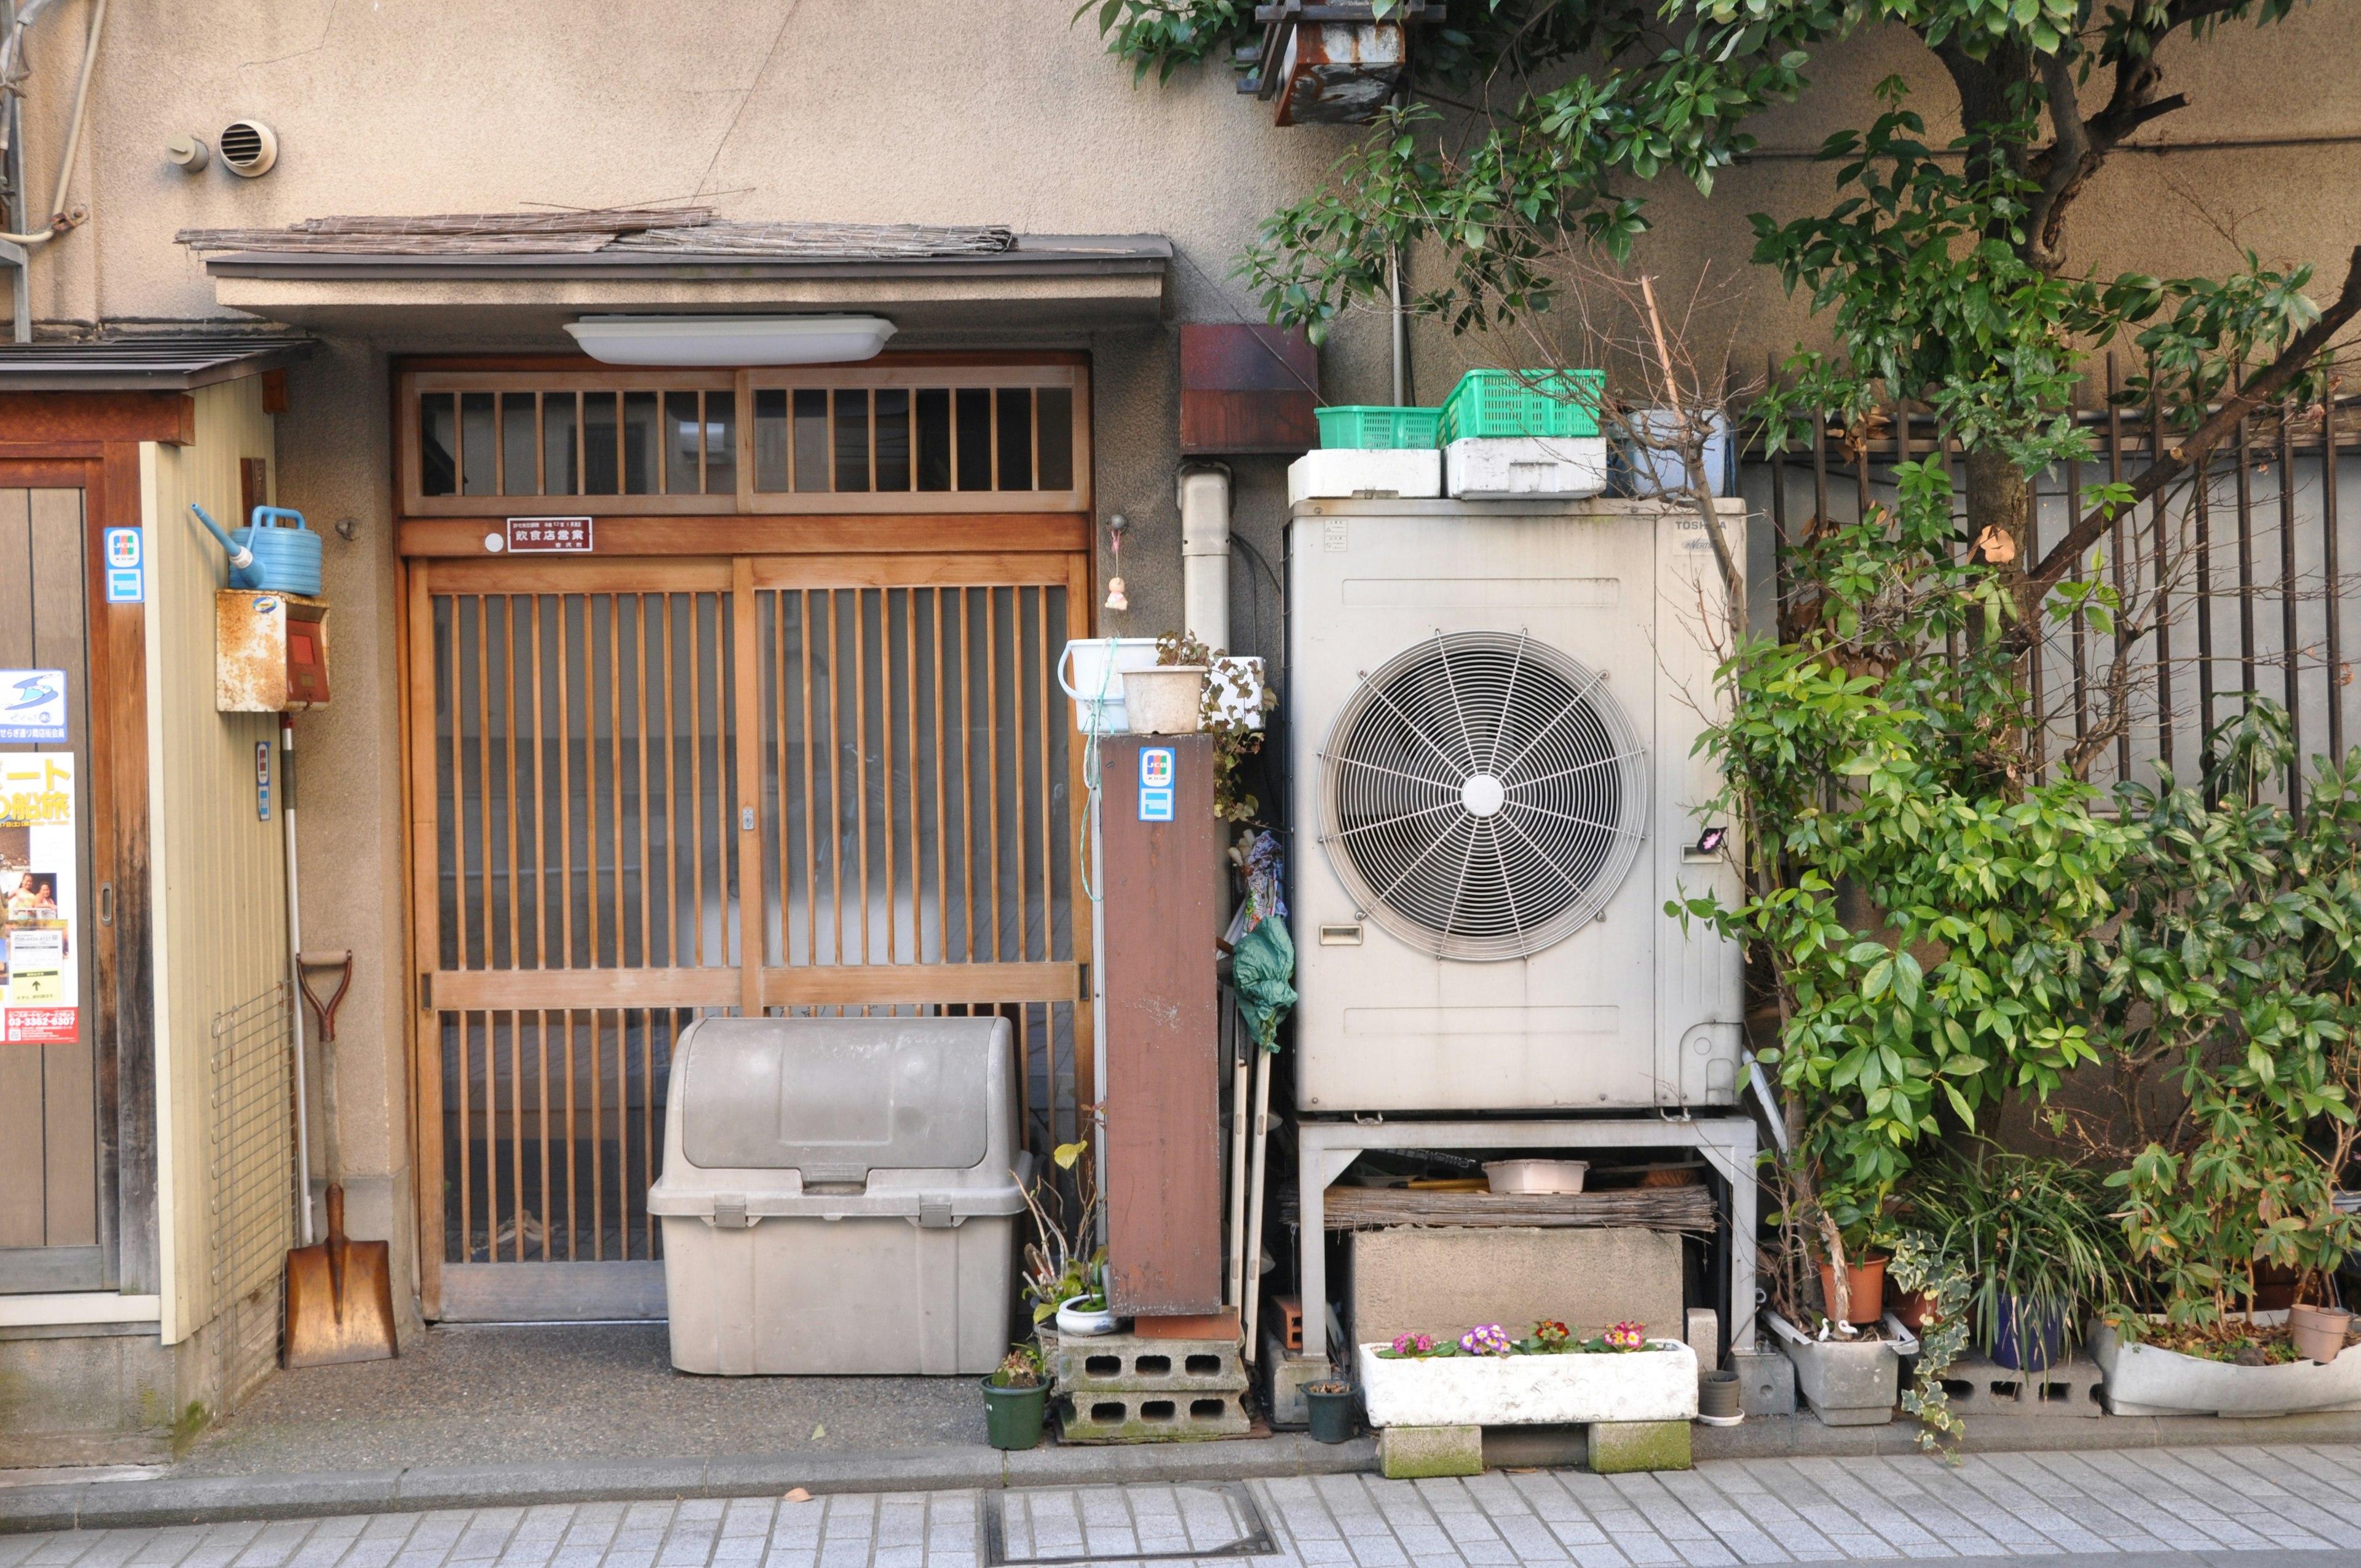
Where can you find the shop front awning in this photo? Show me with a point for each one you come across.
(152, 363)
(516, 278)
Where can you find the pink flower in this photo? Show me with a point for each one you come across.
(1414, 1344)
(1626, 1336)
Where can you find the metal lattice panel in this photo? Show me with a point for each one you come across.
(1482, 796)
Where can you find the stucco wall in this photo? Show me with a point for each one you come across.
(943, 111)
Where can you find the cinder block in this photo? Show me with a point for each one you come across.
(1979, 1387)
(1616, 1447)
(1443, 1282)
(1127, 1364)
(1766, 1381)
(1704, 1336)
(1409, 1453)
(1166, 1417)
(1288, 1373)
(1288, 1313)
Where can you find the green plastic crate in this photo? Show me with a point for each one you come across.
(1524, 402)
(1357, 425)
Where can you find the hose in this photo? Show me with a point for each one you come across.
(58, 223)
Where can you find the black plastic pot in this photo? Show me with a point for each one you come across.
(1717, 1396)
(1012, 1417)
(1332, 1415)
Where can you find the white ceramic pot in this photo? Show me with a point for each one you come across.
(1074, 1319)
(1659, 1384)
(2143, 1380)
(1166, 700)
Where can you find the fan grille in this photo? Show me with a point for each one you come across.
(1482, 796)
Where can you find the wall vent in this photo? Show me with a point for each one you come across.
(249, 147)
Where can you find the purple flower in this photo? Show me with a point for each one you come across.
(1485, 1338)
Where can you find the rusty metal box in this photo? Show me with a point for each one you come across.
(270, 652)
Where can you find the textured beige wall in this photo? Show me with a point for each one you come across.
(943, 111)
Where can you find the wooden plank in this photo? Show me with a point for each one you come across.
(68, 1070)
(683, 510)
(553, 1292)
(584, 574)
(833, 531)
(128, 1185)
(826, 985)
(1163, 1171)
(23, 1159)
(33, 417)
(416, 656)
(745, 615)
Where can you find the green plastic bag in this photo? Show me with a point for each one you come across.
(1261, 967)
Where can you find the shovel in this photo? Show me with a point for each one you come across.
(339, 1292)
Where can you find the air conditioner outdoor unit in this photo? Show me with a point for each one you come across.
(1494, 792)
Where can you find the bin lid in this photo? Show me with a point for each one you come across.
(836, 1097)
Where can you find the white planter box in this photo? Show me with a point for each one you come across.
(1659, 1384)
(1409, 473)
(2144, 1381)
(1490, 468)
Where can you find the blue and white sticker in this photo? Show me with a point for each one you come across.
(32, 705)
(126, 552)
(1155, 774)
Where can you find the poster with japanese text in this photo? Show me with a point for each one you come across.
(39, 960)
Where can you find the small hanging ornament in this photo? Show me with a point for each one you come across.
(1114, 599)
(1117, 525)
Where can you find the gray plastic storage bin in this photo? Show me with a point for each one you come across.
(839, 1195)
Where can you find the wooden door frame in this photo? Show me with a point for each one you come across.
(92, 443)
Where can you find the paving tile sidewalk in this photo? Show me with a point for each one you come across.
(2226, 1505)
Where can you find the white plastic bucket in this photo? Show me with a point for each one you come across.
(1535, 1175)
(1168, 699)
(1091, 672)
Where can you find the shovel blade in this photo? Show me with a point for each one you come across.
(325, 1326)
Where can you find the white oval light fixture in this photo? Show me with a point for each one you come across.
(731, 340)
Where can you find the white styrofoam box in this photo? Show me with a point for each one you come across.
(1091, 670)
(1398, 472)
(1653, 465)
(1659, 1384)
(1565, 467)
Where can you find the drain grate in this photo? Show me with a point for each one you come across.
(1038, 1526)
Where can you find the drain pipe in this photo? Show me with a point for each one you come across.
(15, 250)
(1204, 494)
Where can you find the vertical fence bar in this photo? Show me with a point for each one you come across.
(2288, 631)
(2074, 571)
(2336, 582)
(2247, 651)
(2163, 596)
(2204, 504)
(2119, 694)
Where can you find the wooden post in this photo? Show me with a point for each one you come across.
(1163, 1176)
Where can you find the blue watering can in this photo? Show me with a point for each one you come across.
(284, 560)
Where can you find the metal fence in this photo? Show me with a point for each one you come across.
(252, 1181)
(2244, 584)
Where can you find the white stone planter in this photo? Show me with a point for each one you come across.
(2143, 1380)
(1659, 1384)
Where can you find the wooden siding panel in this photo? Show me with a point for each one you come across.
(221, 927)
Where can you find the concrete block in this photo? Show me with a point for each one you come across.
(1766, 1381)
(1288, 1373)
(1617, 1447)
(1444, 1281)
(1979, 1387)
(1127, 1364)
(1704, 1336)
(1409, 1453)
(1132, 1417)
(100, 1398)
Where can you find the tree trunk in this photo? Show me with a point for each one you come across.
(1999, 526)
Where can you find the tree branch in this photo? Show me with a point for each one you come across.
(2192, 448)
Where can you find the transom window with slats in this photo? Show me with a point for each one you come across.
(953, 433)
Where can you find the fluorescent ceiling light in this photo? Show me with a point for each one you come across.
(731, 340)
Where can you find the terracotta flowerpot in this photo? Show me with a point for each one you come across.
(1914, 1309)
(1866, 1281)
(2318, 1332)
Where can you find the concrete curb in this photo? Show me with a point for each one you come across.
(104, 1505)
(110, 1504)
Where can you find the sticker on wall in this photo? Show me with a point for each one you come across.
(262, 780)
(549, 535)
(39, 985)
(1156, 784)
(32, 705)
(126, 551)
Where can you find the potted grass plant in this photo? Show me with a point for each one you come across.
(2042, 1250)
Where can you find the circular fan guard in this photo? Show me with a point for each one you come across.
(1482, 796)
